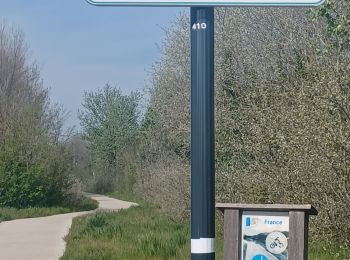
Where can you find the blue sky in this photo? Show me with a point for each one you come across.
(80, 47)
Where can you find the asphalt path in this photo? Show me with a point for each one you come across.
(43, 238)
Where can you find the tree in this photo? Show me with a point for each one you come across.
(110, 126)
(282, 106)
(33, 169)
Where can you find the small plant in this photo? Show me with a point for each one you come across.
(97, 220)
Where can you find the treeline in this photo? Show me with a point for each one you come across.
(34, 159)
(282, 117)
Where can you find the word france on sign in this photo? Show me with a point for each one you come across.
(207, 2)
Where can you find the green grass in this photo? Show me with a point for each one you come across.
(144, 233)
(7, 214)
(137, 233)
(328, 251)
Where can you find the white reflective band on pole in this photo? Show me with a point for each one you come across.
(203, 246)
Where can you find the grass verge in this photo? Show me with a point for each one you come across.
(137, 233)
(85, 204)
(144, 233)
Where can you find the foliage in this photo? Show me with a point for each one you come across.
(282, 124)
(34, 164)
(337, 17)
(109, 121)
(81, 165)
(164, 139)
(281, 103)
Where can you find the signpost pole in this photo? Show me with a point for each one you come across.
(202, 134)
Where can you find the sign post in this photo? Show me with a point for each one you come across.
(202, 109)
(202, 134)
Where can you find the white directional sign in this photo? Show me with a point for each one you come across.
(208, 2)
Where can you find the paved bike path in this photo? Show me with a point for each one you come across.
(43, 238)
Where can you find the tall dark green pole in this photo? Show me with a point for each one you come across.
(202, 134)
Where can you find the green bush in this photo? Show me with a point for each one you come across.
(24, 185)
(20, 186)
(34, 159)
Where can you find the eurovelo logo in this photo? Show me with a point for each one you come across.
(252, 221)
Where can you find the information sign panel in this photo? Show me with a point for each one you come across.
(265, 235)
(208, 2)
